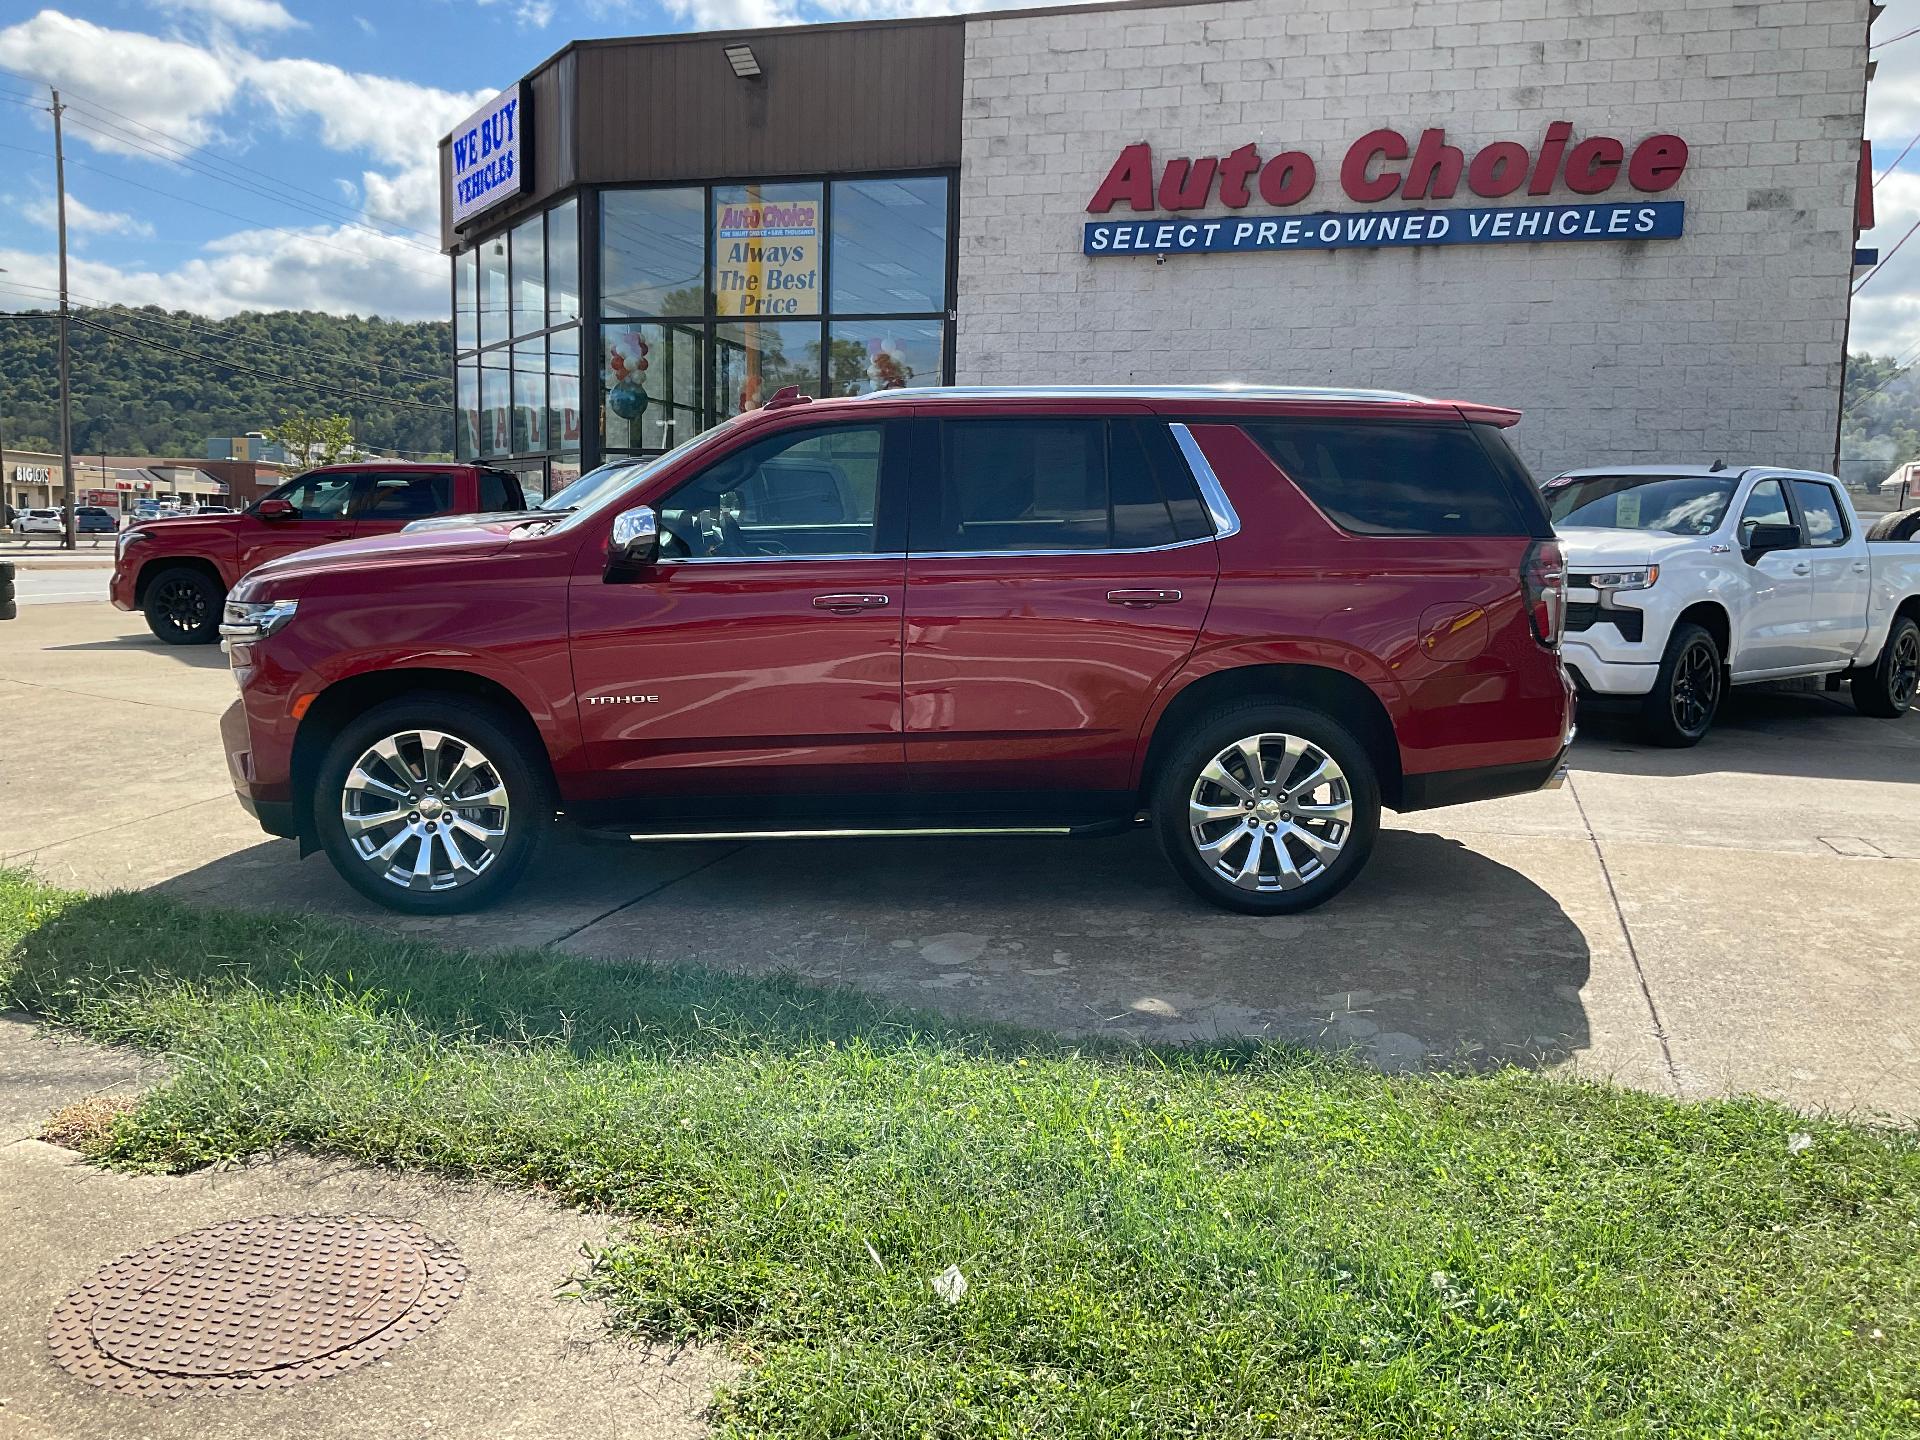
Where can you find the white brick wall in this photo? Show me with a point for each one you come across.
(1726, 342)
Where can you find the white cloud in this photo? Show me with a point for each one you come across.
(534, 14)
(339, 269)
(238, 14)
(83, 217)
(172, 84)
(395, 121)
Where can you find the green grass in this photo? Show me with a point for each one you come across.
(1237, 1242)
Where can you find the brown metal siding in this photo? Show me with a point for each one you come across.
(852, 98)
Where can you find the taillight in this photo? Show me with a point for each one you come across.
(1543, 579)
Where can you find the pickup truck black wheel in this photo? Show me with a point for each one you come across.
(432, 805)
(1267, 809)
(1886, 691)
(183, 606)
(1686, 692)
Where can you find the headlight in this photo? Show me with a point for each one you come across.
(1615, 580)
(128, 537)
(255, 619)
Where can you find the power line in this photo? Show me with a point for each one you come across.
(1865, 279)
(1896, 164)
(368, 396)
(1905, 34)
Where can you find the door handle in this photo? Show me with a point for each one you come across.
(1859, 567)
(1142, 599)
(1803, 568)
(848, 604)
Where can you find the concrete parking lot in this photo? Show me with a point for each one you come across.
(1734, 918)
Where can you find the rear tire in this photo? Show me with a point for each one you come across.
(432, 805)
(1687, 690)
(1267, 809)
(183, 605)
(1886, 692)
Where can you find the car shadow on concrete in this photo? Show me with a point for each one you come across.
(1799, 733)
(201, 657)
(1437, 957)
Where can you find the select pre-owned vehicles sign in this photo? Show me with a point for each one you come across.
(1384, 165)
(489, 155)
(1490, 225)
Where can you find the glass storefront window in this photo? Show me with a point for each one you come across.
(466, 418)
(563, 264)
(529, 276)
(496, 403)
(889, 245)
(869, 355)
(652, 252)
(652, 385)
(493, 290)
(754, 359)
(563, 389)
(465, 330)
(766, 250)
(529, 396)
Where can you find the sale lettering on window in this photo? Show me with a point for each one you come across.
(766, 251)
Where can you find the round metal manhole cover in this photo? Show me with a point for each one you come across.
(256, 1304)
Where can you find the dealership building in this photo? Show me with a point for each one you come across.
(1638, 227)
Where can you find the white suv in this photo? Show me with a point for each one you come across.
(1684, 579)
(38, 522)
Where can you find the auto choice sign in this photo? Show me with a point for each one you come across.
(489, 155)
(1380, 166)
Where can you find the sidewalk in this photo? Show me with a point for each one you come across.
(509, 1358)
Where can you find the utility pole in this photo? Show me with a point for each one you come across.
(66, 366)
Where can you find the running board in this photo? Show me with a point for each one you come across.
(880, 831)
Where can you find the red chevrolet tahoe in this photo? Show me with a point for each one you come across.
(1250, 618)
(178, 572)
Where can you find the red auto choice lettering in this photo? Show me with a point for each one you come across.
(1383, 164)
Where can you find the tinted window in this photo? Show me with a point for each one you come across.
(806, 492)
(407, 497)
(319, 497)
(1825, 521)
(500, 491)
(1022, 485)
(1190, 518)
(1394, 478)
(1140, 515)
(890, 246)
(652, 252)
(1675, 504)
(1767, 505)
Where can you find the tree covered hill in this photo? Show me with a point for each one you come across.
(1879, 419)
(143, 396)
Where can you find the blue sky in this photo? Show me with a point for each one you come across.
(265, 154)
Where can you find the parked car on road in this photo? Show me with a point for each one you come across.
(178, 571)
(1683, 580)
(43, 520)
(95, 520)
(1250, 618)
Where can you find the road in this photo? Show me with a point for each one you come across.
(60, 585)
(1737, 917)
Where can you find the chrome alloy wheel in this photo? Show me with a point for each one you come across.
(1270, 812)
(425, 810)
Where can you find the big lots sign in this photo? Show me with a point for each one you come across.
(1381, 164)
(1385, 165)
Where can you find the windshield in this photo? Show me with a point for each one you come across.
(1675, 504)
(610, 488)
(590, 484)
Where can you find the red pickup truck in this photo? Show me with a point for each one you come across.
(1248, 617)
(178, 571)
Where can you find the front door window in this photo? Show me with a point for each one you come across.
(804, 493)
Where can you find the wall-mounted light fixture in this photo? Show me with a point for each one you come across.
(743, 61)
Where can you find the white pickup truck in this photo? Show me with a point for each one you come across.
(1683, 580)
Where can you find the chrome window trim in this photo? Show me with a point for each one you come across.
(1226, 520)
(1054, 554)
(768, 559)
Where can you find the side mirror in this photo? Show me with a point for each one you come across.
(276, 509)
(1765, 539)
(633, 546)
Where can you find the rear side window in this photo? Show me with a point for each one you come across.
(500, 491)
(406, 496)
(1055, 484)
(1387, 477)
(1826, 521)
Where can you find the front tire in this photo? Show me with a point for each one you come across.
(1687, 689)
(1886, 692)
(1267, 809)
(433, 805)
(183, 606)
